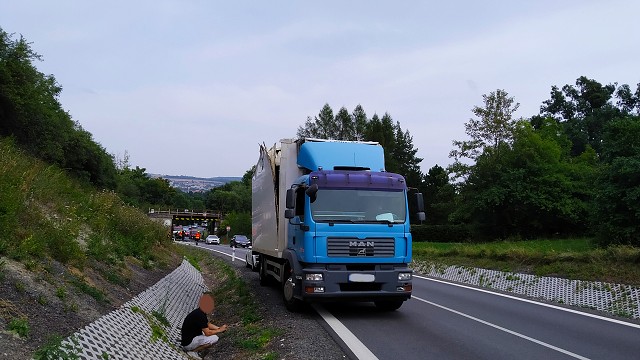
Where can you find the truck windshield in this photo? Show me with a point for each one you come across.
(353, 205)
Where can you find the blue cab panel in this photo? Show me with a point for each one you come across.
(331, 154)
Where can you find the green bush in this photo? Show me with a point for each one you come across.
(440, 233)
(19, 326)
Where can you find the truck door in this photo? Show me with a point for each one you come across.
(300, 227)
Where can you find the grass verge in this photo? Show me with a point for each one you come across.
(249, 336)
(569, 258)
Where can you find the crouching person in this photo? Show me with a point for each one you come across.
(198, 334)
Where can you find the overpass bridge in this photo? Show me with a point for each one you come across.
(171, 218)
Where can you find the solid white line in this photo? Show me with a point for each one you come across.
(566, 352)
(637, 326)
(218, 251)
(354, 344)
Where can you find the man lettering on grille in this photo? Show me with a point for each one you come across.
(198, 333)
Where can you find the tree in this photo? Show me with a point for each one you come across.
(628, 102)
(360, 123)
(438, 195)
(408, 164)
(493, 129)
(618, 196)
(584, 110)
(530, 190)
(324, 125)
(345, 124)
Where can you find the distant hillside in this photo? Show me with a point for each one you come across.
(196, 184)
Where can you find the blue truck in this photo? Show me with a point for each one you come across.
(330, 224)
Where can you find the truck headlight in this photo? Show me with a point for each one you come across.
(313, 277)
(404, 276)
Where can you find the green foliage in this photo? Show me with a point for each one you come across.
(489, 133)
(233, 196)
(138, 189)
(583, 110)
(31, 113)
(89, 290)
(240, 223)
(439, 196)
(258, 337)
(618, 198)
(523, 182)
(441, 233)
(56, 349)
(61, 293)
(19, 326)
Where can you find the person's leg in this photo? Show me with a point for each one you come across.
(201, 342)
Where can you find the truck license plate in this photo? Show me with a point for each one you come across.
(362, 277)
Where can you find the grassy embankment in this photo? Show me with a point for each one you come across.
(44, 214)
(53, 225)
(568, 258)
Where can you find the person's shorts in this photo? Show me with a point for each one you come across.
(201, 340)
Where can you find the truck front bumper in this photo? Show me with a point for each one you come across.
(338, 282)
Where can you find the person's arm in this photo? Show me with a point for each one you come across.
(213, 330)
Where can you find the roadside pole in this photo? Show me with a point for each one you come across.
(233, 248)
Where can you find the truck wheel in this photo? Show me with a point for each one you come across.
(262, 273)
(288, 289)
(388, 305)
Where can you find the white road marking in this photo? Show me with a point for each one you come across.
(566, 352)
(355, 345)
(218, 251)
(616, 321)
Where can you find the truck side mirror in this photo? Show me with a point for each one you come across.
(291, 199)
(289, 213)
(311, 192)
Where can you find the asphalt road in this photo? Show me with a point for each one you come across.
(450, 321)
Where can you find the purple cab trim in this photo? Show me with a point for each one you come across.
(345, 179)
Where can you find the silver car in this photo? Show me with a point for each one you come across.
(212, 239)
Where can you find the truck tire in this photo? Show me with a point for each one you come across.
(388, 305)
(262, 272)
(288, 290)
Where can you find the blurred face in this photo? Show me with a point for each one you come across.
(206, 304)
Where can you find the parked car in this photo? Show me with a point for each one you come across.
(212, 239)
(252, 261)
(240, 241)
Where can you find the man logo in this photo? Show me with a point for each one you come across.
(364, 244)
(361, 248)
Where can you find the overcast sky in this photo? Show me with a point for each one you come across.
(192, 87)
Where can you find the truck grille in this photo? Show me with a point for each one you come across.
(345, 247)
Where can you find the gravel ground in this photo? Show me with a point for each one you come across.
(52, 305)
